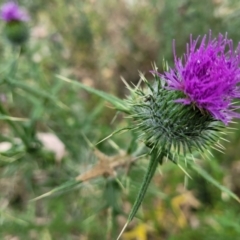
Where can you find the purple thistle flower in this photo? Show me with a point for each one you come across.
(11, 11)
(208, 76)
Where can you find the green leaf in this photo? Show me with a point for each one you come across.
(37, 92)
(154, 161)
(64, 187)
(116, 102)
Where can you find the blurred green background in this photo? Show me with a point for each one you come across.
(97, 43)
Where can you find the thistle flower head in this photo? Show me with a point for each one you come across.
(16, 30)
(11, 11)
(185, 108)
(166, 126)
(208, 76)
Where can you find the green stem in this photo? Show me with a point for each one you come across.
(155, 159)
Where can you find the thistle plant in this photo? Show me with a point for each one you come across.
(188, 105)
(186, 109)
(15, 17)
(15, 77)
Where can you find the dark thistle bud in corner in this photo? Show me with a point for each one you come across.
(15, 17)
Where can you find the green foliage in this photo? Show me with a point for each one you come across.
(44, 196)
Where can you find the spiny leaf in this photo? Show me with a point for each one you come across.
(64, 187)
(155, 159)
(36, 91)
(116, 102)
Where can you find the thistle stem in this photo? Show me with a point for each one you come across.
(156, 158)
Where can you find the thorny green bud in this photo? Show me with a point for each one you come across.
(165, 125)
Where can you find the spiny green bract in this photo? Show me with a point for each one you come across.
(165, 125)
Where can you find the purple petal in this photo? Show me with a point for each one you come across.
(10, 11)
